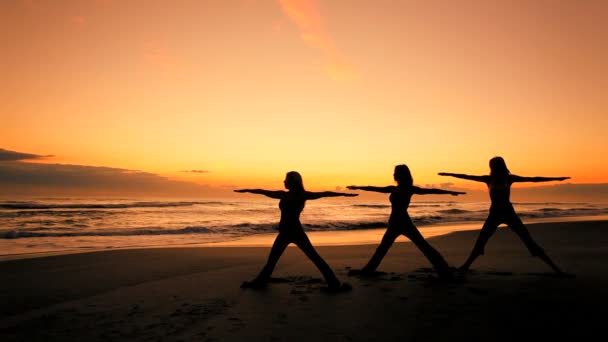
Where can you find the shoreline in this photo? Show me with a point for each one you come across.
(193, 293)
(354, 237)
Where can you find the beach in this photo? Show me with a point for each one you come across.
(193, 293)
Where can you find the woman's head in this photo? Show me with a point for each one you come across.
(402, 175)
(498, 167)
(293, 181)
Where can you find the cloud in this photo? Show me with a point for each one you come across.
(562, 193)
(196, 171)
(21, 178)
(306, 16)
(6, 155)
(440, 185)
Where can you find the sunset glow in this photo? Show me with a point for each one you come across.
(235, 93)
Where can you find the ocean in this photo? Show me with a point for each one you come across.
(64, 224)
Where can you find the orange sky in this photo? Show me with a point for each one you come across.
(339, 90)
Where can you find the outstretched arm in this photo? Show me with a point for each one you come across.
(423, 191)
(483, 179)
(515, 178)
(269, 193)
(317, 195)
(382, 189)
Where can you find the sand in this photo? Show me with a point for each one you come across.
(193, 294)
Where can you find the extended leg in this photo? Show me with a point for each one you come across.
(303, 242)
(520, 229)
(280, 243)
(489, 227)
(441, 266)
(387, 241)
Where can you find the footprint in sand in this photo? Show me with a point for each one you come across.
(361, 273)
(499, 273)
(553, 275)
(296, 279)
(300, 292)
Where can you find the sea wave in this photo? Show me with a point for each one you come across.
(371, 206)
(346, 225)
(40, 232)
(453, 211)
(557, 212)
(46, 206)
(24, 214)
(549, 203)
(232, 218)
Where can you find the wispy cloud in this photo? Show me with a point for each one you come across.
(27, 178)
(7, 155)
(36, 178)
(306, 16)
(196, 171)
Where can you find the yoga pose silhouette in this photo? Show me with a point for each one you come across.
(501, 210)
(290, 230)
(401, 223)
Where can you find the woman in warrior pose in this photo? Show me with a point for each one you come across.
(501, 210)
(400, 222)
(291, 231)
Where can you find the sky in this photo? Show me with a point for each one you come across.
(203, 96)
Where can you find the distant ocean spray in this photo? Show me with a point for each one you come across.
(72, 219)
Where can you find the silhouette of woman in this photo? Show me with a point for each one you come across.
(291, 231)
(501, 210)
(401, 223)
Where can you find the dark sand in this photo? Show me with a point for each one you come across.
(172, 294)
